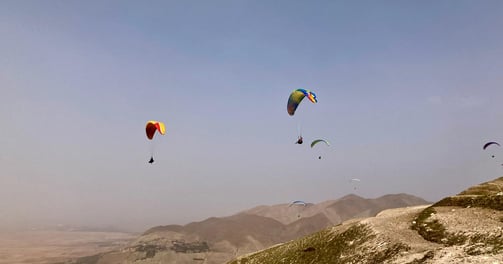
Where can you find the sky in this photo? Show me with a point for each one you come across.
(408, 92)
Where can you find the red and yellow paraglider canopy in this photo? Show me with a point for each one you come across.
(153, 126)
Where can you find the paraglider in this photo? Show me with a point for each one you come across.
(354, 181)
(486, 145)
(293, 102)
(150, 129)
(315, 142)
(300, 204)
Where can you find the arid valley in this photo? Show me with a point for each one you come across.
(48, 247)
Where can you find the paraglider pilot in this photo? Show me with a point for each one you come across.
(151, 160)
(299, 141)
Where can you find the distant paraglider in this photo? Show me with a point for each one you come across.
(315, 142)
(300, 204)
(486, 145)
(150, 129)
(354, 182)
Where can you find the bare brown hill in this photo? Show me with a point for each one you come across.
(234, 229)
(307, 225)
(219, 239)
(347, 207)
(352, 206)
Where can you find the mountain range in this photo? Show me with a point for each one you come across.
(220, 239)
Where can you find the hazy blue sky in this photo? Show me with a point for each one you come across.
(408, 92)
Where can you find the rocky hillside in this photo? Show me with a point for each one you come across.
(220, 239)
(465, 228)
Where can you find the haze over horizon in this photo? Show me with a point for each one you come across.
(408, 92)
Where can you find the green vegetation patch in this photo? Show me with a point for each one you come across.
(485, 195)
(149, 250)
(482, 244)
(434, 231)
(488, 188)
(431, 230)
(494, 202)
(388, 253)
(326, 246)
(88, 260)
